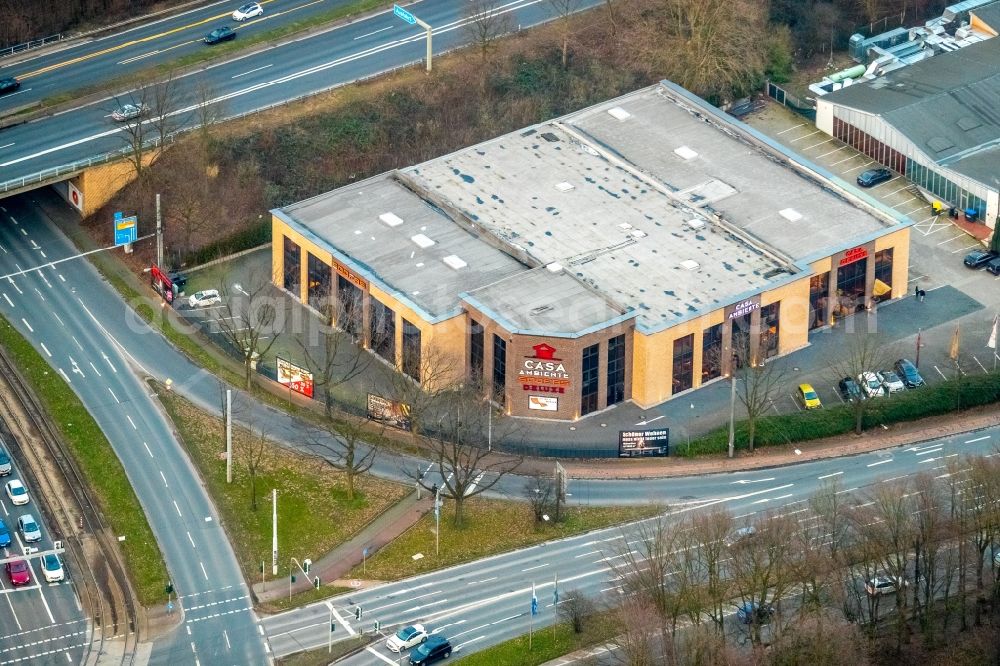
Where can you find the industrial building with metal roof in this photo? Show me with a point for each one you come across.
(612, 254)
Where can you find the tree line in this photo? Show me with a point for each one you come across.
(24, 20)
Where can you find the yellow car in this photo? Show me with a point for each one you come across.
(809, 397)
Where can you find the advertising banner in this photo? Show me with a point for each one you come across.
(639, 443)
(389, 412)
(298, 379)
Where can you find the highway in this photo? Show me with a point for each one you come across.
(295, 68)
(61, 309)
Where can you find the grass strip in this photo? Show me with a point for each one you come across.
(491, 527)
(322, 657)
(99, 464)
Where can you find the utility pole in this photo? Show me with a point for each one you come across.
(274, 532)
(732, 407)
(437, 522)
(229, 435)
(159, 234)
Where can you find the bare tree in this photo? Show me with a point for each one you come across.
(208, 110)
(348, 451)
(711, 530)
(759, 381)
(540, 491)
(247, 321)
(564, 10)
(488, 22)
(863, 352)
(164, 99)
(250, 452)
(637, 632)
(151, 122)
(465, 467)
(437, 387)
(576, 609)
(337, 359)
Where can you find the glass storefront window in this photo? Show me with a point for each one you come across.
(320, 278)
(711, 353)
(293, 266)
(411, 350)
(591, 379)
(770, 316)
(476, 352)
(683, 363)
(499, 369)
(882, 289)
(851, 288)
(819, 294)
(616, 369)
(351, 301)
(383, 331)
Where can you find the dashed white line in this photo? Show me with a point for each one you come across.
(64, 376)
(827, 476)
(880, 462)
(251, 71)
(165, 485)
(131, 422)
(535, 567)
(147, 449)
(204, 573)
(45, 349)
(7, 298)
(58, 319)
(178, 509)
(114, 396)
(190, 538)
(95, 369)
(27, 324)
(977, 439)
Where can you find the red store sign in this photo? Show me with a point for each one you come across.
(854, 254)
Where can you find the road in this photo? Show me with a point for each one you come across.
(63, 310)
(488, 601)
(295, 68)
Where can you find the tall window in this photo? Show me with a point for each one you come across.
(711, 353)
(591, 379)
(819, 288)
(293, 266)
(411, 350)
(499, 368)
(882, 289)
(351, 307)
(769, 317)
(851, 287)
(476, 350)
(383, 331)
(683, 363)
(319, 283)
(616, 369)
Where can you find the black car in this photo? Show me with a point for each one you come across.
(222, 34)
(178, 279)
(909, 373)
(873, 177)
(9, 84)
(433, 649)
(979, 258)
(994, 266)
(849, 390)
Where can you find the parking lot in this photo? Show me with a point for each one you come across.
(40, 621)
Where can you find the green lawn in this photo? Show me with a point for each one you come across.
(546, 644)
(491, 527)
(98, 463)
(314, 514)
(322, 656)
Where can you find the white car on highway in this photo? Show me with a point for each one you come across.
(248, 10)
(52, 568)
(406, 638)
(871, 384)
(204, 298)
(128, 112)
(17, 493)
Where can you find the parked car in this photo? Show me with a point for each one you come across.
(19, 572)
(17, 493)
(909, 373)
(994, 266)
(128, 112)
(4, 534)
(808, 396)
(433, 649)
(247, 11)
(751, 612)
(873, 177)
(849, 390)
(406, 638)
(871, 385)
(880, 585)
(204, 298)
(979, 258)
(9, 84)
(222, 34)
(30, 531)
(52, 568)
(179, 280)
(891, 381)
(740, 535)
(5, 466)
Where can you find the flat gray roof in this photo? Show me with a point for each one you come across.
(653, 206)
(947, 106)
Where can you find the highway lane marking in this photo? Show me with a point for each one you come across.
(140, 57)
(251, 71)
(114, 340)
(977, 439)
(827, 476)
(131, 421)
(77, 342)
(880, 462)
(114, 396)
(45, 349)
(58, 318)
(201, 564)
(535, 567)
(931, 450)
(27, 324)
(8, 145)
(4, 249)
(38, 291)
(113, 369)
(147, 449)
(404, 601)
(181, 515)
(383, 657)
(226, 636)
(189, 534)
(47, 653)
(7, 298)
(94, 367)
(65, 376)
(367, 34)
(42, 641)
(7, 597)
(165, 485)
(485, 580)
(593, 552)
(14, 284)
(46, 604)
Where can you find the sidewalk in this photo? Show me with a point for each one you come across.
(335, 565)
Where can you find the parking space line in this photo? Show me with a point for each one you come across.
(863, 166)
(966, 249)
(815, 145)
(903, 202)
(846, 159)
(806, 136)
(835, 150)
(794, 127)
(951, 239)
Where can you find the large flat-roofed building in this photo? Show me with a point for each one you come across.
(609, 255)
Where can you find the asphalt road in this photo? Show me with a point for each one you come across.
(63, 309)
(298, 67)
(488, 601)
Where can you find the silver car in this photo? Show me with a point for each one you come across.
(30, 531)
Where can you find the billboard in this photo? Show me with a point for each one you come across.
(297, 379)
(389, 412)
(640, 443)
(543, 403)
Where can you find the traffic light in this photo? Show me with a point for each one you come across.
(333, 627)
(293, 578)
(306, 563)
(169, 589)
(357, 613)
(377, 626)
(316, 582)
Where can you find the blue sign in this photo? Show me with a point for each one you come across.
(125, 229)
(403, 14)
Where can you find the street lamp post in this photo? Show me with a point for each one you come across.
(732, 410)
(329, 640)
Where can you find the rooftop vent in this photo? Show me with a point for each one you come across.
(690, 264)
(618, 113)
(422, 241)
(685, 153)
(549, 136)
(554, 267)
(939, 144)
(454, 261)
(625, 225)
(540, 309)
(391, 219)
(966, 123)
(790, 214)
(637, 233)
(696, 223)
(564, 186)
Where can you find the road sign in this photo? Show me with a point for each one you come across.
(126, 229)
(403, 14)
